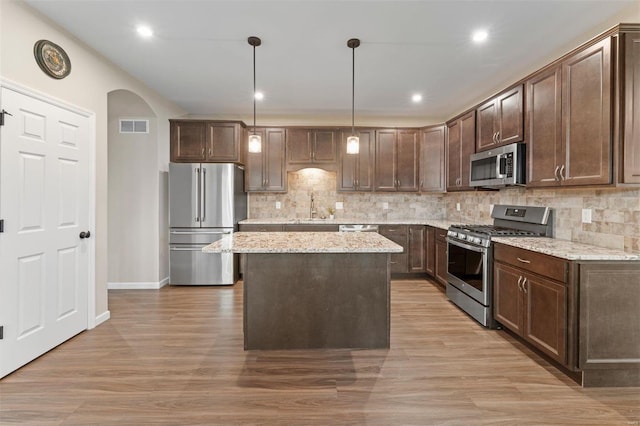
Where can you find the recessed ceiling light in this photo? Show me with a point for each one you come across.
(416, 98)
(259, 96)
(479, 36)
(144, 31)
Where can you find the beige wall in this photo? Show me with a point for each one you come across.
(91, 79)
(133, 199)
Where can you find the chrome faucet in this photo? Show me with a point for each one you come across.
(312, 208)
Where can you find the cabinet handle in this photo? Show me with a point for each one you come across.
(562, 176)
(520, 283)
(421, 184)
(498, 137)
(523, 260)
(398, 183)
(555, 174)
(524, 285)
(442, 235)
(202, 151)
(210, 152)
(494, 137)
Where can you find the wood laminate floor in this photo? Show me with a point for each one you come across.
(175, 356)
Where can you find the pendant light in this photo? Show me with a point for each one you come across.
(353, 141)
(255, 141)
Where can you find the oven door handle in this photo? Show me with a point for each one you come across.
(467, 246)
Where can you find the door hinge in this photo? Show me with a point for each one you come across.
(1, 225)
(2, 113)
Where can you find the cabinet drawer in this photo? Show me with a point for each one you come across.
(527, 260)
(311, 228)
(261, 228)
(441, 235)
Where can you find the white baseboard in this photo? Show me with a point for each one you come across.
(102, 317)
(138, 285)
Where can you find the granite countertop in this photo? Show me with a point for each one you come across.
(566, 249)
(303, 242)
(437, 223)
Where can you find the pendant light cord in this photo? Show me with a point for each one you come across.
(353, 88)
(254, 89)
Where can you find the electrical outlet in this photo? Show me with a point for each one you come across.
(385, 206)
(586, 215)
(339, 205)
(278, 205)
(458, 206)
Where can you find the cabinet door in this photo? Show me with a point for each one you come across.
(467, 147)
(398, 262)
(631, 135)
(430, 250)
(324, 146)
(386, 160)
(417, 246)
(188, 141)
(544, 128)
(432, 169)
(441, 262)
(586, 116)
(254, 175)
(487, 125)
(407, 157)
(355, 171)
(453, 155)
(274, 161)
(347, 165)
(545, 316)
(223, 142)
(299, 146)
(510, 116)
(507, 297)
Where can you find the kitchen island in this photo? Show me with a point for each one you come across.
(313, 290)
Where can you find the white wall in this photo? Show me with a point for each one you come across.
(92, 78)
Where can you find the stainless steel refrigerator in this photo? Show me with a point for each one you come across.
(206, 202)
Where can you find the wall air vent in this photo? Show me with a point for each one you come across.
(128, 125)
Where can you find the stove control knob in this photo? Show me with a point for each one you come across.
(462, 237)
(477, 240)
(452, 234)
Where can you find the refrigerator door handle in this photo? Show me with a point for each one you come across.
(203, 208)
(197, 194)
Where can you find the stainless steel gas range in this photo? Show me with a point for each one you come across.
(470, 255)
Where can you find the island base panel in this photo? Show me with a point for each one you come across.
(316, 300)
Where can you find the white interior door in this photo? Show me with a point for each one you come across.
(44, 201)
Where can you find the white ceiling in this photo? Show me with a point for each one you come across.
(200, 59)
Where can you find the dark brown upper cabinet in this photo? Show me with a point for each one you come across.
(355, 171)
(396, 159)
(206, 141)
(311, 146)
(631, 130)
(500, 120)
(266, 170)
(461, 134)
(568, 120)
(432, 159)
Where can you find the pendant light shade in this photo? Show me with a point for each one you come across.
(353, 141)
(255, 141)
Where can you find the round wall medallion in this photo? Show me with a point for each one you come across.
(52, 59)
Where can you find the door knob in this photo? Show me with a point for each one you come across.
(84, 235)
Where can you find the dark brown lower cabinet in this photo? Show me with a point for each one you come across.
(532, 306)
(398, 234)
(441, 256)
(582, 314)
(430, 250)
(417, 245)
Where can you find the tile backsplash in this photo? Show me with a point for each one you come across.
(615, 212)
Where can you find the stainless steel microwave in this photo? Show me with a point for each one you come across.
(499, 167)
